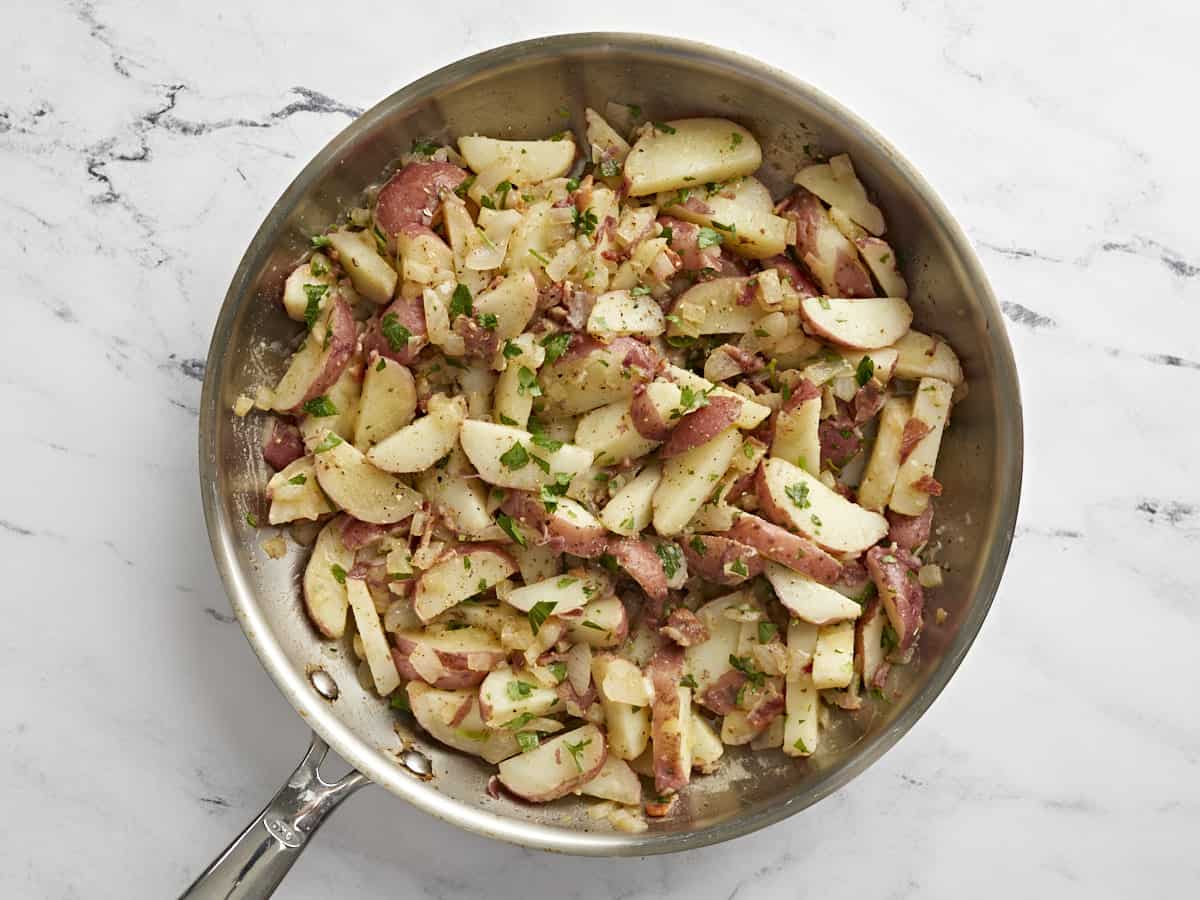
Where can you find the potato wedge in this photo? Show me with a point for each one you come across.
(836, 183)
(797, 437)
(689, 478)
(879, 477)
(325, 598)
(931, 407)
(810, 600)
(387, 404)
(801, 732)
(317, 273)
(295, 494)
(360, 488)
(686, 152)
(512, 302)
(924, 356)
(452, 717)
(868, 323)
(833, 662)
(416, 447)
(793, 498)
(712, 307)
(591, 374)
(621, 313)
(505, 695)
(615, 781)
(372, 275)
(457, 495)
(881, 260)
(467, 570)
(521, 162)
(320, 361)
(454, 658)
(563, 593)
(742, 211)
(378, 653)
(557, 767)
(490, 449)
(631, 508)
(628, 725)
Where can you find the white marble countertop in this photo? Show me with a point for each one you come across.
(140, 146)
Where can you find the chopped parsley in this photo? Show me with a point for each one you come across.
(697, 544)
(339, 574)
(488, 321)
(330, 441)
(298, 479)
(800, 745)
(732, 229)
(688, 681)
(381, 365)
(558, 670)
(576, 751)
(509, 527)
(556, 345)
(317, 267)
(824, 301)
(520, 721)
(539, 612)
(798, 493)
(708, 237)
(550, 493)
(540, 257)
(515, 457)
(425, 147)
(251, 520)
(671, 557)
(527, 382)
(312, 309)
(629, 524)
(519, 689)
(584, 222)
(572, 184)
(588, 623)
(463, 189)
(511, 350)
(400, 701)
(609, 167)
(667, 233)
(321, 241)
(743, 665)
(527, 740)
(540, 463)
(505, 420)
(502, 190)
(889, 640)
(865, 370)
(460, 302)
(320, 407)
(639, 291)
(546, 442)
(664, 128)
(734, 139)
(737, 567)
(766, 631)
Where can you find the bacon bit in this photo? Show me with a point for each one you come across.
(748, 362)
(910, 532)
(578, 305)
(766, 708)
(927, 484)
(868, 400)
(550, 296)
(684, 628)
(721, 695)
(661, 806)
(914, 431)
(802, 390)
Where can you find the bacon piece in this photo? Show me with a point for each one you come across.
(701, 425)
(413, 195)
(721, 696)
(779, 545)
(639, 560)
(661, 806)
(854, 579)
(671, 770)
(826, 251)
(769, 705)
(840, 440)
(927, 484)
(710, 555)
(914, 431)
(868, 400)
(283, 445)
(578, 304)
(409, 314)
(748, 362)
(802, 390)
(894, 571)
(910, 532)
(356, 534)
(684, 628)
(557, 533)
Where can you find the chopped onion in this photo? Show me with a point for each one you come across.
(775, 325)
(720, 365)
(479, 662)
(845, 387)
(564, 260)
(427, 663)
(426, 556)
(601, 810)
(400, 617)
(579, 667)
(769, 291)
(561, 215)
(930, 576)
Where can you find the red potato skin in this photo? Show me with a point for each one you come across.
(685, 240)
(927, 484)
(684, 628)
(646, 420)
(769, 706)
(356, 533)
(853, 580)
(749, 362)
(894, 571)
(802, 390)
(797, 278)
(343, 341)
(451, 680)
(410, 314)
(840, 440)
(876, 679)
(782, 546)
(721, 696)
(701, 426)
(910, 532)
(283, 445)
(868, 401)
(665, 669)
(708, 554)
(554, 531)
(563, 789)
(850, 277)
(413, 195)
(639, 560)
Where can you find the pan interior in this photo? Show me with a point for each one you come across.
(521, 91)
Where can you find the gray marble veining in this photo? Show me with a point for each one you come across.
(140, 145)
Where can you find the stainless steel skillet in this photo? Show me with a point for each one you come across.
(521, 90)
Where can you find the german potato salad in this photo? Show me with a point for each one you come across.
(608, 458)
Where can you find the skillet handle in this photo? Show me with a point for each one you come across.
(254, 864)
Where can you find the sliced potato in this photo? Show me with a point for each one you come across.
(833, 662)
(367, 493)
(512, 302)
(521, 162)
(557, 767)
(687, 152)
(608, 148)
(742, 210)
(628, 725)
(325, 581)
(707, 748)
(435, 710)
(504, 695)
(866, 323)
(800, 728)
(879, 477)
(619, 313)
(712, 307)
(881, 260)
(797, 436)
(318, 273)
(513, 397)
(375, 645)
(631, 508)
(689, 478)
(836, 183)
(615, 781)
(468, 570)
(387, 404)
(490, 449)
(416, 447)
(295, 493)
(750, 416)
(463, 498)
(795, 499)
(344, 396)
(810, 600)
(563, 593)
(425, 259)
(931, 407)
(372, 276)
(923, 356)
(801, 646)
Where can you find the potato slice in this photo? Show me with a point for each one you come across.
(563, 593)
(615, 781)
(688, 152)
(295, 493)
(611, 432)
(435, 710)
(557, 767)
(513, 398)
(504, 695)
(752, 414)
(628, 725)
(883, 361)
(521, 162)
(372, 276)
(295, 297)
(325, 581)
(689, 478)
(801, 646)
(594, 374)
(463, 498)
(881, 260)
(743, 212)
(606, 144)
(467, 570)
(630, 510)
(931, 407)
(321, 359)
(619, 313)
(796, 499)
(416, 447)
(603, 623)
(797, 435)
(387, 404)
(345, 396)
(707, 748)
(512, 302)
(833, 662)
(866, 323)
(800, 728)
(425, 259)
(461, 656)
(836, 183)
(923, 356)
(360, 488)
(375, 645)
(490, 449)
(810, 600)
(712, 307)
(879, 477)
